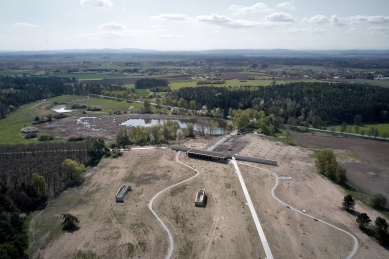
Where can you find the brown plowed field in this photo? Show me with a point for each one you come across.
(372, 173)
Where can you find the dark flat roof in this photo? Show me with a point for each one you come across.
(207, 153)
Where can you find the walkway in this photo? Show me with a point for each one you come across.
(355, 247)
(171, 241)
(262, 236)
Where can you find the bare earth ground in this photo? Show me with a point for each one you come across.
(224, 228)
(106, 226)
(371, 174)
(307, 190)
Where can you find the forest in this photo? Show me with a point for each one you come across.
(147, 83)
(321, 103)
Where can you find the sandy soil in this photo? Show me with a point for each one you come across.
(224, 228)
(106, 227)
(371, 174)
(307, 190)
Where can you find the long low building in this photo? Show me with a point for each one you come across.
(207, 155)
(122, 193)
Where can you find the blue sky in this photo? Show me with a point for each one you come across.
(193, 25)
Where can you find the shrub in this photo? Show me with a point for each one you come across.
(73, 139)
(45, 137)
(378, 200)
(30, 135)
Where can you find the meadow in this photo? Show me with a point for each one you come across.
(10, 126)
(382, 128)
(193, 83)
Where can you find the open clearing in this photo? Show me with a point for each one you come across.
(223, 229)
(370, 173)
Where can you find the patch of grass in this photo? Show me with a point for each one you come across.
(141, 226)
(177, 190)
(227, 185)
(382, 127)
(142, 92)
(315, 68)
(85, 255)
(10, 126)
(130, 250)
(142, 246)
(186, 248)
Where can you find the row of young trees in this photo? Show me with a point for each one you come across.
(31, 173)
(315, 103)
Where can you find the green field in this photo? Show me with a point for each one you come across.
(382, 83)
(381, 128)
(10, 127)
(314, 68)
(193, 83)
(252, 73)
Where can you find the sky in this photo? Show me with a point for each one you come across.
(193, 24)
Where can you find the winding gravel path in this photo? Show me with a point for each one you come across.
(171, 241)
(355, 247)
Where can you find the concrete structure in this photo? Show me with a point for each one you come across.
(122, 193)
(207, 155)
(200, 198)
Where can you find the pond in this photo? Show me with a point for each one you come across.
(60, 109)
(210, 126)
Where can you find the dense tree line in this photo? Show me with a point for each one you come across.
(19, 162)
(31, 173)
(146, 83)
(317, 103)
(18, 91)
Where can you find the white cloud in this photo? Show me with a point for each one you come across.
(280, 17)
(171, 36)
(109, 35)
(96, 3)
(171, 17)
(156, 26)
(22, 24)
(310, 29)
(288, 5)
(258, 7)
(318, 19)
(224, 21)
(370, 19)
(378, 30)
(112, 26)
(353, 31)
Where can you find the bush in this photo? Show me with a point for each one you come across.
(46, 137)
(30, 135)
(73, 139)
(93, 109)
(79, 106)
(378, 201)
(60, 116)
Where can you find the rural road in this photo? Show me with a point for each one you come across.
(355, 247)
(171, 241)
(262, 236)
(221, 141)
